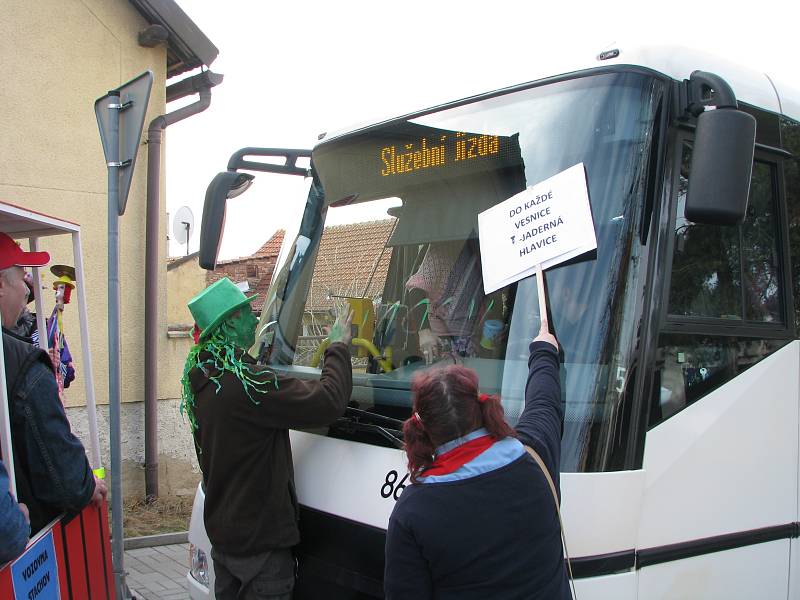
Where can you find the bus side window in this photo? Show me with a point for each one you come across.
(726, 282)
(690, 366)
(723, 272)
(790, 134)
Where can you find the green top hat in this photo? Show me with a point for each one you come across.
(213, 305)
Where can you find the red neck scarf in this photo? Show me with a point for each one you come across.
(454, 459)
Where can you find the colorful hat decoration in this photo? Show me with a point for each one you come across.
(64, 274)
(214, 304)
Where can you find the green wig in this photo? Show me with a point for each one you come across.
(223, 355)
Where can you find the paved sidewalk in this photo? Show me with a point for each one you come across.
(158, 572)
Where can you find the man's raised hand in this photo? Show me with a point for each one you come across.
(341, 331)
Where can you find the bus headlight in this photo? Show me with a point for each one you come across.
(199, 565)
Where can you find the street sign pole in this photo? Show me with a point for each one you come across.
(114, 165)
(120, 117)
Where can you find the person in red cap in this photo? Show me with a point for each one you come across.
(26, 324)
(13, 289)
(52, 472)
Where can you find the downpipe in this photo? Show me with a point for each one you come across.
(200, 84)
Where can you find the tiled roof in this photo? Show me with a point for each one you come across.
(231, 261)
(273, 245)
(263, 263)
(270, 248)
(348, 256)
(261, 289)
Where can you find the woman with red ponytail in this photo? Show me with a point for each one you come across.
(479, 520)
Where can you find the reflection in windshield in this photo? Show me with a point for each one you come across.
(398, 244)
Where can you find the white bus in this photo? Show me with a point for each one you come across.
(681, 364)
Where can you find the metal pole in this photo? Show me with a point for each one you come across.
(41, 319)
(88, 373)
(5, 426)
(152, 244)
(114, 166)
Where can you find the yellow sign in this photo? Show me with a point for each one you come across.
(447, 149)
(363, 320)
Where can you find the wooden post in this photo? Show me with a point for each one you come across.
(5, 426)
(542, 295)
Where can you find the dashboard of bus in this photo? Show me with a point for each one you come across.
(390, 230)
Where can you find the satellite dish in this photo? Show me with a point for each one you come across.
(183, 225)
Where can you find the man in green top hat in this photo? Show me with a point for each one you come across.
(240, 414)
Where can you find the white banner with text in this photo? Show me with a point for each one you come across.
(545, 224)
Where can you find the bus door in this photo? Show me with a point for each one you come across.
(721, 453)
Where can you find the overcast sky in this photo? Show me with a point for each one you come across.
(295, 70)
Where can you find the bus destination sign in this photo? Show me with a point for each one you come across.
(422, 153)
(404, 158)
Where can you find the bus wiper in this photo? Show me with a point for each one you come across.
(363, 415)
(394, 436)
(355, 419)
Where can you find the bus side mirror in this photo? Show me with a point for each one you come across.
(722, 163)
(227, 184)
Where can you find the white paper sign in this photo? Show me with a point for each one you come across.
(546, 224)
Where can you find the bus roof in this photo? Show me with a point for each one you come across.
(677, 62)
(751, 86)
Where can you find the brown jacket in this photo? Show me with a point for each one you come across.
(245, 455)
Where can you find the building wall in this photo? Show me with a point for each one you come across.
(59, 57)
(178, 470)
(251, 269)
(184, 281)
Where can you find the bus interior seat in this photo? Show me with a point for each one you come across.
(672, 392)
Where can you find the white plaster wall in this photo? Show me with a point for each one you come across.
(179, 472)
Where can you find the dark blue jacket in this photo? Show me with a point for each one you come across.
(490, 529)
(14, 529)
(50, 464)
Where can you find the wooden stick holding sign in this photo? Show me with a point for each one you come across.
(542, 294)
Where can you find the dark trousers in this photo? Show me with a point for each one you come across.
(269, 575)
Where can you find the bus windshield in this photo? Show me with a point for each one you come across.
(390, 229)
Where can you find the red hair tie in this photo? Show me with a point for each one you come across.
(416, 418)
(482, 398)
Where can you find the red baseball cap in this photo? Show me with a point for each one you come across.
(11, 255)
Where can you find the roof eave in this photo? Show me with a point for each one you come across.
(187, 46)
